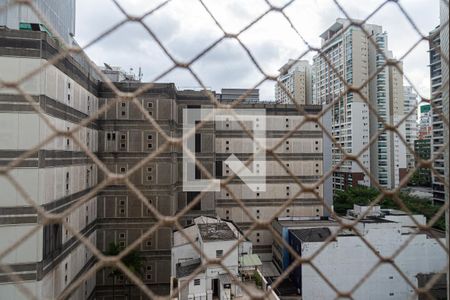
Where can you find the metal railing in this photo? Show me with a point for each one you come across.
(102, 261)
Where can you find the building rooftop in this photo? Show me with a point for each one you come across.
(306, 222)
(186, 268)
(371, 220)
(216, 232)
(312, 235)
(250, 260)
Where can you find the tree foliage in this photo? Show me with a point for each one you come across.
(133, 261)
(344, 200)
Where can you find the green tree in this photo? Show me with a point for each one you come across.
(360, 195)
(133, 261)
(344, 200)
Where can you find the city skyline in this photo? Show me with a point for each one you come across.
(115, 184)
(271, 40)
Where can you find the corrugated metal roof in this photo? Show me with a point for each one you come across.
(250, 260)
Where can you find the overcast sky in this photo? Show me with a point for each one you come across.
(185, 29)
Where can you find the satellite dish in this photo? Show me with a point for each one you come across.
(108, 66)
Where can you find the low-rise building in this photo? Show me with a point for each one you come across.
(345, 258)
(215, 238)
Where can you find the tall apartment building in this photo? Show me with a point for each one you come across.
(437, 137)
(444, 37)
(296, 79)
(355, 58)
(56, 177)
(397, 108)
(425, 122)
(411, 128)
(422, 148)
(60, 14)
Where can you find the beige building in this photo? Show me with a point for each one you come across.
(397, 108)
(295, 83)
(56, 177)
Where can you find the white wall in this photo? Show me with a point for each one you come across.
(49, 81)
(45, 185)
(53, 282)
(422, 255)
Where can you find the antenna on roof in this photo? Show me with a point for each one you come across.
(140, 75)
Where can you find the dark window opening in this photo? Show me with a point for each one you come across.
(190, 196)
(52, 240)
(198, 173)
(219, 168)
(198, 143)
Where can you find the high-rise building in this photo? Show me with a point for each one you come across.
(296, 84)
(411, 131)
(60, 14)
(397, 107)
(444, 38)
(347, 53)
(425, 122)
(437, 140)
(422, 148)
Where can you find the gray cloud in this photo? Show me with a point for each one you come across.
(185, 29)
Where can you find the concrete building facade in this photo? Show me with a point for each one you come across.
(444, 38)
(56, 177)
(437, 140)
(304, 153)
(296, 83)
(411, 128)
(398, 109)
